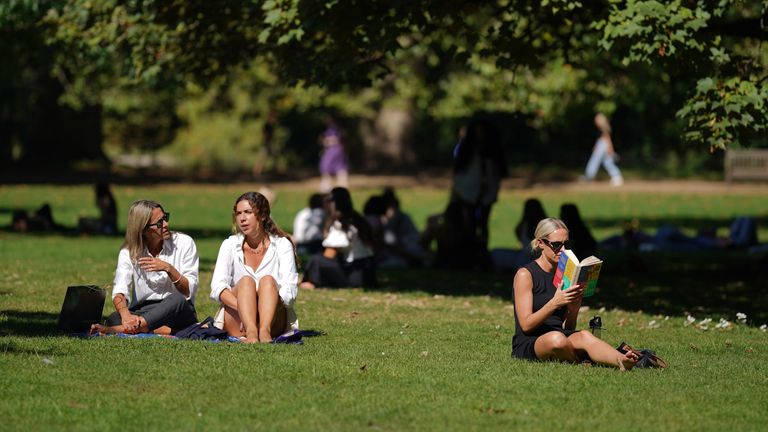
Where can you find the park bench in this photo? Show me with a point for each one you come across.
(746, 165)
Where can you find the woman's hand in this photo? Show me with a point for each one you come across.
(572, 295)
(131, 323)
(154, 264)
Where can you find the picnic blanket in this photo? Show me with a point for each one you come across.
(293, 337)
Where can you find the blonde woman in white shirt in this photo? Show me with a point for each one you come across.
(255, 278)
(156, 276)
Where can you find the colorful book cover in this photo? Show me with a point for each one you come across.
(572, 272)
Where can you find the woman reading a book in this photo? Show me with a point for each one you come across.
(545, 315)
(156, 272)
(255, 277)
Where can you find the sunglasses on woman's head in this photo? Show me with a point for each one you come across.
(556, 246)
(159, 223)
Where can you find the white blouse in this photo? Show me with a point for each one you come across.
(278, 262)
(140, 285)
(349, 243)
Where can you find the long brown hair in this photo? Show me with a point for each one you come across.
(260, 206)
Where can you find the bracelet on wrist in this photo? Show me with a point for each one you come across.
(177, 280)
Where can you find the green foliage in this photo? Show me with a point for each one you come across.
(727, 106)
(721, 110)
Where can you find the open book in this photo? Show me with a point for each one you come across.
(574, 272)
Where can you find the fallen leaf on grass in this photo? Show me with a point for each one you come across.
(749, 350)
(694, 347)
(424, 354)
(362, 368)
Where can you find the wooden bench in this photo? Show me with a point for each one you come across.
(746, 165)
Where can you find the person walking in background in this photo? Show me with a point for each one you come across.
(158, 270)
(478, 168)
(333, 160)
(603, 153)
(255, 278)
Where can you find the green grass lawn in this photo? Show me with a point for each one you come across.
(427, 350)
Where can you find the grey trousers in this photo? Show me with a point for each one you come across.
(173, 311)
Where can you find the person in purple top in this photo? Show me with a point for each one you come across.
(333, 160)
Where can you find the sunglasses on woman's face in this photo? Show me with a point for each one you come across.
(556, 246)
(159, 223)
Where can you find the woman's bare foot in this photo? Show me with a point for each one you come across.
(265, 336)
(307, 285)
(627, 361)
(97, 329)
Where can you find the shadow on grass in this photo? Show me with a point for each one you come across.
(715, 284)
(23, 323)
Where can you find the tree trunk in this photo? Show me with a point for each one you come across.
(387, 139)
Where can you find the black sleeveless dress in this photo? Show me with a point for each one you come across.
(543, 291)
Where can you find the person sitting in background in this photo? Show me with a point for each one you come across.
(583, 244)
(107, 221)
(255, 278)
(348, 259)
(401, 238)
(545, 315)
(308, 226)
(533, 212)
(41, 220)
(158, 269)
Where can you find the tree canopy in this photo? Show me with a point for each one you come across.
(442, 58)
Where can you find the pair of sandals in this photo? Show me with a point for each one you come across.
(645, 358)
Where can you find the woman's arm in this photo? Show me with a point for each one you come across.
(523, 287)
(287, 276)
(223, 272)
(572, 314)
(228, 299)
(608, 145)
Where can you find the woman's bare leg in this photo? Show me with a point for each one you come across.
(600, 352)
(232, 324)
(271, 314)
(247, 301)
(555, 346)
(143, 328)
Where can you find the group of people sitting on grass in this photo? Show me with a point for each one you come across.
(255, 280)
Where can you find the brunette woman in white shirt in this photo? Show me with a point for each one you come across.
(255, 278)
(158, 270)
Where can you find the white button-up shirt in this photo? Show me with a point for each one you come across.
(140, 285)
(348, 243)
(278, 262)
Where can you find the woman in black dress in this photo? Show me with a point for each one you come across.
(545, 316)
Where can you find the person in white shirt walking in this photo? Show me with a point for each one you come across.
(156, 277)
(255, 278)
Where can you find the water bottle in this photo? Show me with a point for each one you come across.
(596, 326)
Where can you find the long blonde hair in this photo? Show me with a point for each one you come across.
(544, 228)
(138, 217)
